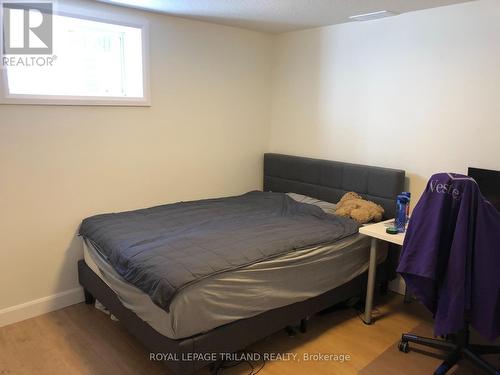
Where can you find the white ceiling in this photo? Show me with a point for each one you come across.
(278, 16)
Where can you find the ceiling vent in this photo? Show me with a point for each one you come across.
(372, 16)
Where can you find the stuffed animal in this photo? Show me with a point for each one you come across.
(363, 211)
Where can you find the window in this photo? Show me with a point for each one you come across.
(93, 62)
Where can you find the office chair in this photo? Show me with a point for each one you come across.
(450, 261)
(458, 346)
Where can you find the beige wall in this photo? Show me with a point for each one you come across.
(203, 136)
(420, 91)
(344, 92)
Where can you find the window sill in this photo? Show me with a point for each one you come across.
(75, 101)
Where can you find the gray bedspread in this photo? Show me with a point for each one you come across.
(163, 249)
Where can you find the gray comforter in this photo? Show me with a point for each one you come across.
(163, 249)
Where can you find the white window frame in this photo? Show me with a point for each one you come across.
(99, 16)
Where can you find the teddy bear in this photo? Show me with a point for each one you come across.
(354, 206)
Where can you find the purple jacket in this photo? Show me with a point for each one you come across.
(451, 255)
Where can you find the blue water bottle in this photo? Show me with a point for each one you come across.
(408, 195)
(400, 219)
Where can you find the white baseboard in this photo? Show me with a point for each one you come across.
(40, 306)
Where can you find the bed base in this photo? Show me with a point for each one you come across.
(229, 338)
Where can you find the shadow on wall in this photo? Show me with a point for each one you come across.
(305, 109)
(68, 276)
(326, 101)
(416, 185)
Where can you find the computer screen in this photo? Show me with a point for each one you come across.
(489, 184)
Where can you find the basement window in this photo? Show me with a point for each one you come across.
(94, 61)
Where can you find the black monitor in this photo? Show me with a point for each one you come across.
(489, 184)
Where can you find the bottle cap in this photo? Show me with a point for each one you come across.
(403, 198)
(392, 230)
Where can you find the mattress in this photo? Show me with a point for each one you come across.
(245, 292)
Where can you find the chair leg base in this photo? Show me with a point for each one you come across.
(449, 362)
(457, 352)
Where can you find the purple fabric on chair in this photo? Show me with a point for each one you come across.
(451, 255)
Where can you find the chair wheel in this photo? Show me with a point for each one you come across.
(404, 346)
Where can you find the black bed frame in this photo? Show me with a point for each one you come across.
(326, 180)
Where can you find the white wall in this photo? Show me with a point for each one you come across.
(420, 91)
(203, 136)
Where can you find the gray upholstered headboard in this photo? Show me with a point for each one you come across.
(329, 180)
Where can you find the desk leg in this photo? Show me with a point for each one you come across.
(372, 271)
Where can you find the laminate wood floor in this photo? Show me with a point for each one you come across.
(82, 340)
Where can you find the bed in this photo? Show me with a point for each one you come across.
(199, 322)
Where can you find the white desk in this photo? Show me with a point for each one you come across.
(376, 232)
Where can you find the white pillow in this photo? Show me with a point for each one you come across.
(328, 207)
